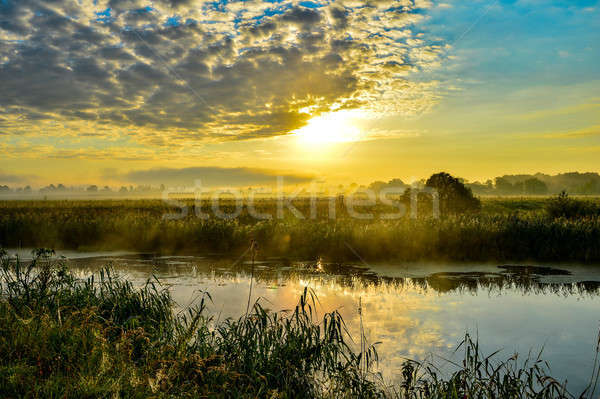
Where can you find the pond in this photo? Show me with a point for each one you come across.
(417, 311)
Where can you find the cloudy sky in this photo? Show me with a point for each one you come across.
(118, 91)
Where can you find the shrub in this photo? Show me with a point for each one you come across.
(564, 206)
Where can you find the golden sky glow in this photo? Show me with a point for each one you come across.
(101, 92)
(329, 128)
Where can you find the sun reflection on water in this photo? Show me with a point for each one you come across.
(412, 317)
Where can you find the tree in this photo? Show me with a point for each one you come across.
(397, 183)
(519, 188)
(92, 189)
(377, 186)
(453, 195)
(504, 186)
(535, 186)
(590, 187)
(423, 200)
(480, 188)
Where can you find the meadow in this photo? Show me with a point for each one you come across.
(515, 229)
(68, 337)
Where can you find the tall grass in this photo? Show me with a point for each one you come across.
(61, 337)
(102, 337)
(566, 207)
(501, 232)
(480, 376)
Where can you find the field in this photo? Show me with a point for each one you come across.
(101, 337)
(516, 229)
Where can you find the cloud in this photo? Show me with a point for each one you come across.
(210, 177)
(200, 70)
(27, 150)
(591, 131)
(568, 110)
(7, 178)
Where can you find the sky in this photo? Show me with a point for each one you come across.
(170, 91)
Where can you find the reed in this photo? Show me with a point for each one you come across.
(513, 230)
(102, 337)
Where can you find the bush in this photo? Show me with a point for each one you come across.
(564, 206)
(454, 196)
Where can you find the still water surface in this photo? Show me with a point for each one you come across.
(417, 311)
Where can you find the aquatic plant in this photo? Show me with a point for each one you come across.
(102, 337)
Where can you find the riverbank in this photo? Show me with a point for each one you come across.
(101, 336)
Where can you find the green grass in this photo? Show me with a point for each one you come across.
(506, 229)
(102, 337)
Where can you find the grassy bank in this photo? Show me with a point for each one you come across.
(102, 337)
(506, 229)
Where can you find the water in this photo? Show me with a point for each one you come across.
(417, 311)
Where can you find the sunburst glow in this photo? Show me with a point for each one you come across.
(332, 127)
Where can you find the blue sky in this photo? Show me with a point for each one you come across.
(517, 57)
(508, 45)
(411, 87)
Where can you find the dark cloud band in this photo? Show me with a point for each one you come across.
(210, 177)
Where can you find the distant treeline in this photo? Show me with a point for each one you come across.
(89, 190)
(538, 184)
(574, 183)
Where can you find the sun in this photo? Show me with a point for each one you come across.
(332, 127)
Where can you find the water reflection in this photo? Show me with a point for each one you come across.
(415, 311)
(526, 279)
